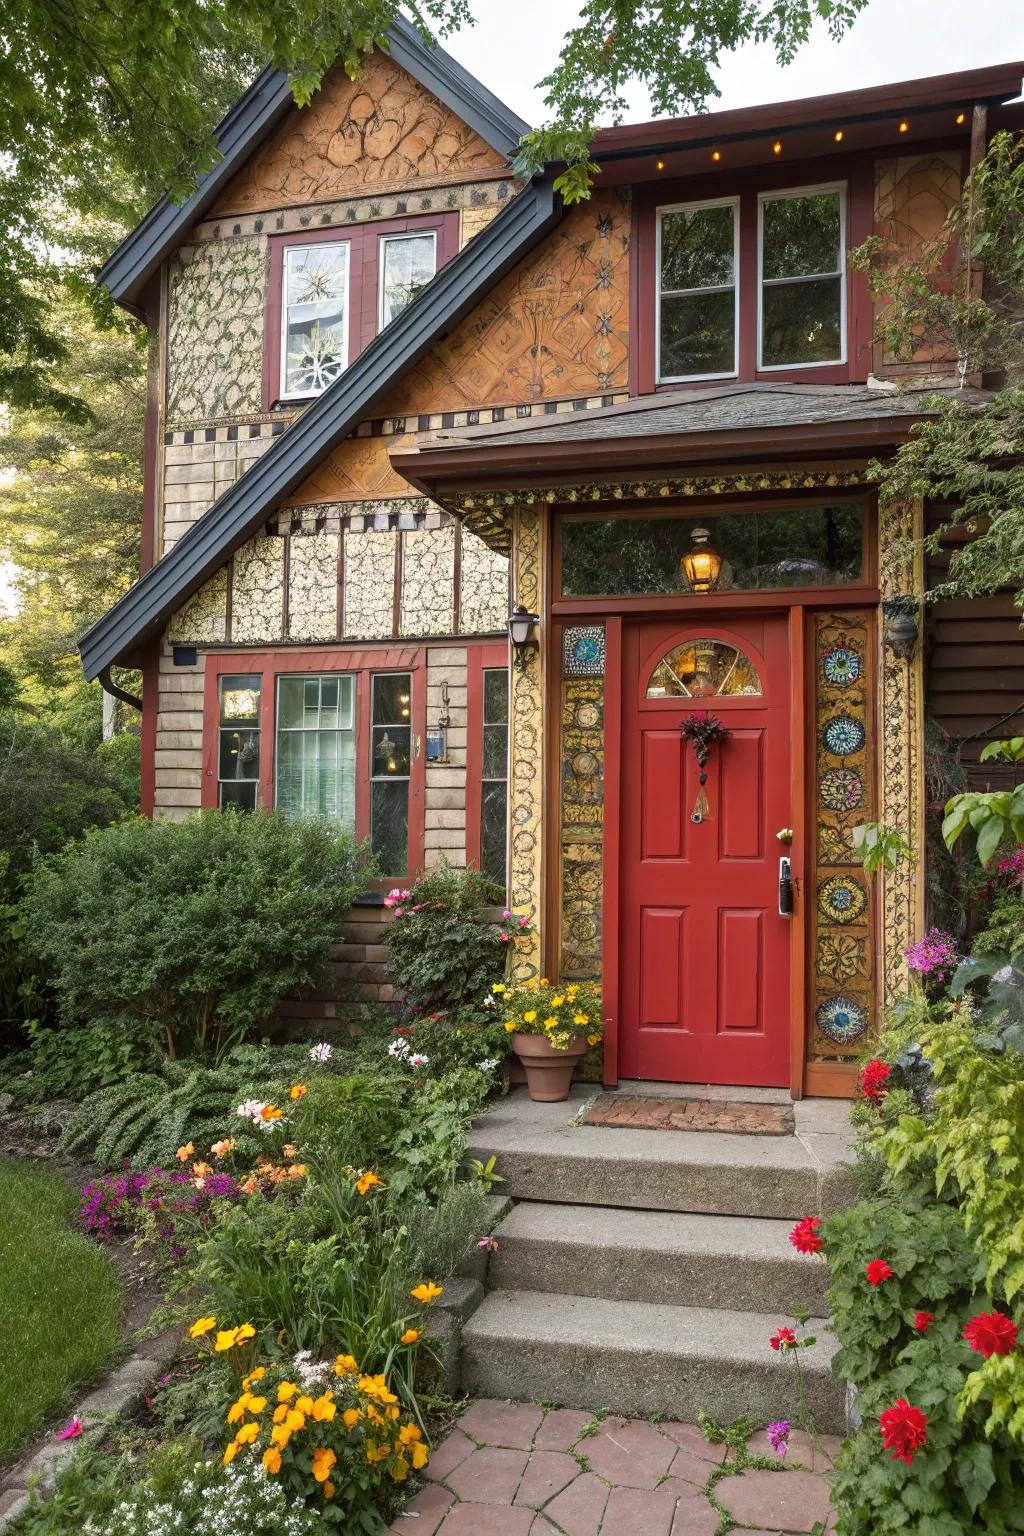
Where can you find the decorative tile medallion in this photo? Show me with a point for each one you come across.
(583, 651)
(841, 1020)
(581, 841)
(843, 735)
(841, 899)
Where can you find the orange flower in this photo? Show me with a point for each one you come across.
(184, 1153)
(329, 1489)
(297, 1171)
(256, 1375)
(248, 1432)
(222, 1148)
(304, 1404)
(350, 1417)
(230, 1452)
(344, 1365)
(286, 1391)
(270, 1112)
(420, 1456)
(323, 1460)
(409, 1433)
(410, 1336)
(426, 1293)
(272, 1460)
(290, 1149)
(324, 1408)
(298, 1091)
(201, 1170)
(365, 1182)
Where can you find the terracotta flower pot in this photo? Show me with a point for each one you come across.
(548, 1072)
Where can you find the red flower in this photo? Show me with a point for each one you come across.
(805, 1237)
(923, 1321)
(783, 1338)
(903, 1430)
(877, 1271)
(991, 1333)
(874, 1077)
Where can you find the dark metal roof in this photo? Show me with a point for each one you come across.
(242, 509)
(251, 120)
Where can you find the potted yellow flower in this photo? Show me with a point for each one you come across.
(551, 1027)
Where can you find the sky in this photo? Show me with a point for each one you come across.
(511, 47)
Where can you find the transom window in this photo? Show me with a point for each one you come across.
(704, 669)
(407, 263)
(315, 317)
(316, 747)
(697, 291)
(802, 314)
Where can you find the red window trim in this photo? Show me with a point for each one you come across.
(856, 171)
(364, 257)
(363, 662)
(479, 659)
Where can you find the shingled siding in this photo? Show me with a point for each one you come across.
(975, 667)
(179, 738)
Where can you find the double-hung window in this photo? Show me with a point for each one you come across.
(316, 747)
(802, 308)
(407, 263)
(314, 317)
(697, 256)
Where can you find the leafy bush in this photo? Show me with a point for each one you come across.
(74, 1063)
(199, 926)
(444, 953)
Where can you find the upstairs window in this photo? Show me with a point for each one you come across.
(314, 320)
(802, 312)
(407, 263)
(697, 291)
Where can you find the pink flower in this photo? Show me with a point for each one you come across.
(71, 1431)
(503, 937)
(506, 915)
(524, 922)
(934, 955)
(783, 1339)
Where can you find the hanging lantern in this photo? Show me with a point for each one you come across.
(702, 564)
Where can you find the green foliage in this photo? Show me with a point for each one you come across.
(879, 845)
(1001, 1011)
(994, 817)
(444, 950)
(199, 927)
(1011, 751)
(75, 1063)
(60, 1301)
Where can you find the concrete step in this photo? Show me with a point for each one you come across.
(663, 1257)
(639, 1358)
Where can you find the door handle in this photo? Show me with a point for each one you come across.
(785, 888)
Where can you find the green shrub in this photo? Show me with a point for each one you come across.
(443, 952)
(200, 926)
(73, 1063)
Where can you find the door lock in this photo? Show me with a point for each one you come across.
(785, 888)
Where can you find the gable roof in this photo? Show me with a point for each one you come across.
(245, 506)
(252, 119)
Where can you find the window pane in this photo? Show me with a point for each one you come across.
(704, 669)
(495, 696)
(239, 755)
(801, 235)
(495, 753)
(290, 693)
(316, 301)
(698, 334)
(315, 761)
(493, 804)
(240, 698)
(389, 825)
(391, 698)
(407, 265)
(242, 796)
(697, 247)
(390, 751)
(801, 322)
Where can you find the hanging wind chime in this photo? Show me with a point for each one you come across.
(704, 731)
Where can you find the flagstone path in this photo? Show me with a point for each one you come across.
(514, 1469)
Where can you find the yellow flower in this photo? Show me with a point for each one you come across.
(227, 1338)
(376, 1387)
(200, 1326)
(410, 1432)
(272, 1460)
(400, 1470)
(510, 1025)
(257, 1404)
(184, 1153)
(231, 1452)
(237, 1410)
(528, 1018)
(410, 1336)
(375, 1452)
(427, 1292)
(593, 1039)
(256, 1375)
(248, 1432)
(246, 1331)
(345, 1365)
(294, 1421)
(323, 1460)
(298, 1091)
(351, 1417)
(556, 1002)
(551, 1023)
(420, 1456)
(280, 1413)
(499, 988)
(581, 1018)
(544, 981)
(324, 1408)
(286, 1391)
(280, 1435)
(304, 1404)
(366, 1182)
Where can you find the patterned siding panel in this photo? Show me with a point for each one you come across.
(196, 473)
(257, 592)
(428, 581)
(215, 329)
(483, 588)
(581, 842)
(526, 784)
(204, 618)
(445, 814)
(313, 586)
(913, 195)
(179, 738)
(369, 565)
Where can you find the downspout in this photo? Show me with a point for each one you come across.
(108, 686)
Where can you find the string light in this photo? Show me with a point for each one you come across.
(961, 118)
(838, 135)
(904, 126)
(777, 147)
(716, 155)
(661, 165)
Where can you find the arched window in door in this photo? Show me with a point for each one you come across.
(704, 669)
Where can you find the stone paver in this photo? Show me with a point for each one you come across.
(512, 1469)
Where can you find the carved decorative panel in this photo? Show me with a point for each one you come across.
(257, 591)
(369, 566)
(475, 198)
(526, 787)
(483, 588)
(313, 586)
(428, 581)
(215, 329)
(382, 130)
(840, 911)
(913, 195)
(204, 618)
(359, 468)
(581, 841)
(557, 325)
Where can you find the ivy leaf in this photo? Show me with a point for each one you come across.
(975, 1472)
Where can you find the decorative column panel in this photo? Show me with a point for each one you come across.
(901, 717)
(527, 757)
(842, 918)
(581, 801)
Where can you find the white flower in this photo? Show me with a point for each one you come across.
(252, 1109)
(399, 1048)
(488, 1064)
(490, 1001)
(320, 1053)
(419, 1061)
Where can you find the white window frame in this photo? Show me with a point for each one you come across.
(313, 245)
(385, 240)
(299, 730)
(840, 187)
(717, 202)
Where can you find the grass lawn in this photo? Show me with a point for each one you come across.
(60, 1301)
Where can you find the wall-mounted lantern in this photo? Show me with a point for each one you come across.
(437, 736)
(521, 626)
(702, 564)
(901, 628)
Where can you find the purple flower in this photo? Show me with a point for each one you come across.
(934, 955)
(778, 1436)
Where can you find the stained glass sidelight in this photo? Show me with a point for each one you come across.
(494, 776)
(704, 669)
(238, 741)
(315, 317)
(316, 768)
(390, 768)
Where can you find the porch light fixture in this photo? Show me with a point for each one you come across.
(702, 564)
(901, 629)
(521, 624)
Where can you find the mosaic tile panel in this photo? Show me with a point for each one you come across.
(428, 581)
(526, 784)
(582, 826)
(369, 581)
(583, 651)
(313, 586)
(483, 588)
(840, 909)
(215, 330)
(257, 591)
(204, 618)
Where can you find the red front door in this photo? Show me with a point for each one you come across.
(705, 952)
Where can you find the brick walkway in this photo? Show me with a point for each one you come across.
(646, 1112)
(512, 1469)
